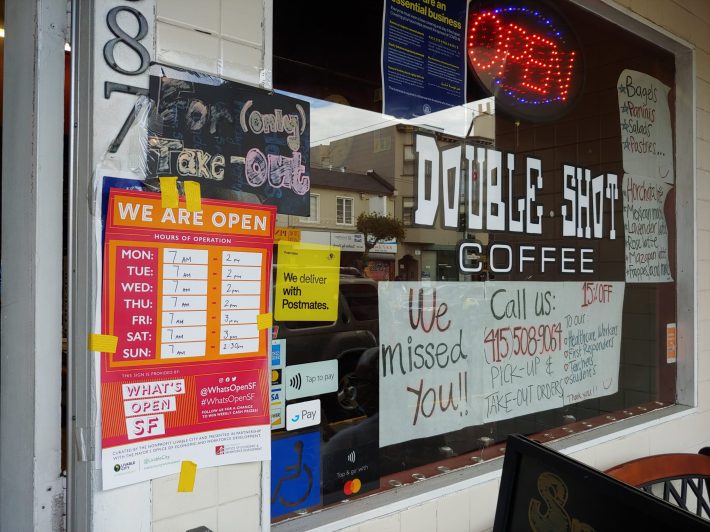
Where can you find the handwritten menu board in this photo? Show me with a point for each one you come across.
(645, 122)
(454, 355)
(647, 148)
(182, 292)
(645, 230)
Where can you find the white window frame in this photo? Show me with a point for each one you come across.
(352, 210)
(310, 219)
(409, 153)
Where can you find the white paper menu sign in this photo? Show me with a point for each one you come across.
(645, 122)
(645, 230)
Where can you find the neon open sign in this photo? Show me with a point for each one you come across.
(527, 58)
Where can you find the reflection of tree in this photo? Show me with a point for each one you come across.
(378, 228)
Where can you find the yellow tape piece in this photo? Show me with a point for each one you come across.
(169, 197)
(188, 470)
(193, 196)
(264, 321)
(103, 343)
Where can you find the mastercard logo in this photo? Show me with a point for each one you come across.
(353, 486)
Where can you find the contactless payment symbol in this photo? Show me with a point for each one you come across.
(314, 378)
(349, 470)
(295, 473)
(295, 381)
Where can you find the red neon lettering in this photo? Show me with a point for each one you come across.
(527, 64)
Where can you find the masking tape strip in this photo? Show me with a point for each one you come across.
(103, 343)
(169, 197)
(193, 197)
(264, 321)
(188, 469)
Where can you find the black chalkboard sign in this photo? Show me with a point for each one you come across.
(239, 142)
(543, 490)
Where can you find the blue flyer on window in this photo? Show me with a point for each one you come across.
(423, 56)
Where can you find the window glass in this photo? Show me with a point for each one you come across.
(362, 301)
(407, 211)
(533, 290)
(344, 211)
(409, 158)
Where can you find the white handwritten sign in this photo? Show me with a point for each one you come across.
(645, 230)
(645, 121)
(546, 345)
(425, 358)
(460, 354)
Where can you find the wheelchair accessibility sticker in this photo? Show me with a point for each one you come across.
(295, 473)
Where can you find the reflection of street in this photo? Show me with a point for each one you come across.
(379, 270)
(298, 469)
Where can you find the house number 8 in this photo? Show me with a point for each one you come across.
(129, 40)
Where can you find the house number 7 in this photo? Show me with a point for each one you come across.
(133, 43)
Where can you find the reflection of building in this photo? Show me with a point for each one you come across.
(426, 253)
(338, 196)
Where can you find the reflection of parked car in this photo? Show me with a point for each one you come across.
(345, 339)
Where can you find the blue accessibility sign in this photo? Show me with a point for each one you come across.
(295, 473)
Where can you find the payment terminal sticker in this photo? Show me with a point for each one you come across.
(278, 408)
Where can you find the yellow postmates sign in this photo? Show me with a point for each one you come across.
(307, 282)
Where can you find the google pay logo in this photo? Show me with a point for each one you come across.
(305, 414)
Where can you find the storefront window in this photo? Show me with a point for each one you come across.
(530, 151)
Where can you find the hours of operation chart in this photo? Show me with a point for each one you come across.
(185, 275)
(192, 299)
(240, 301)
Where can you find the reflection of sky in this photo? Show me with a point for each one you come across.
(331, 121)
